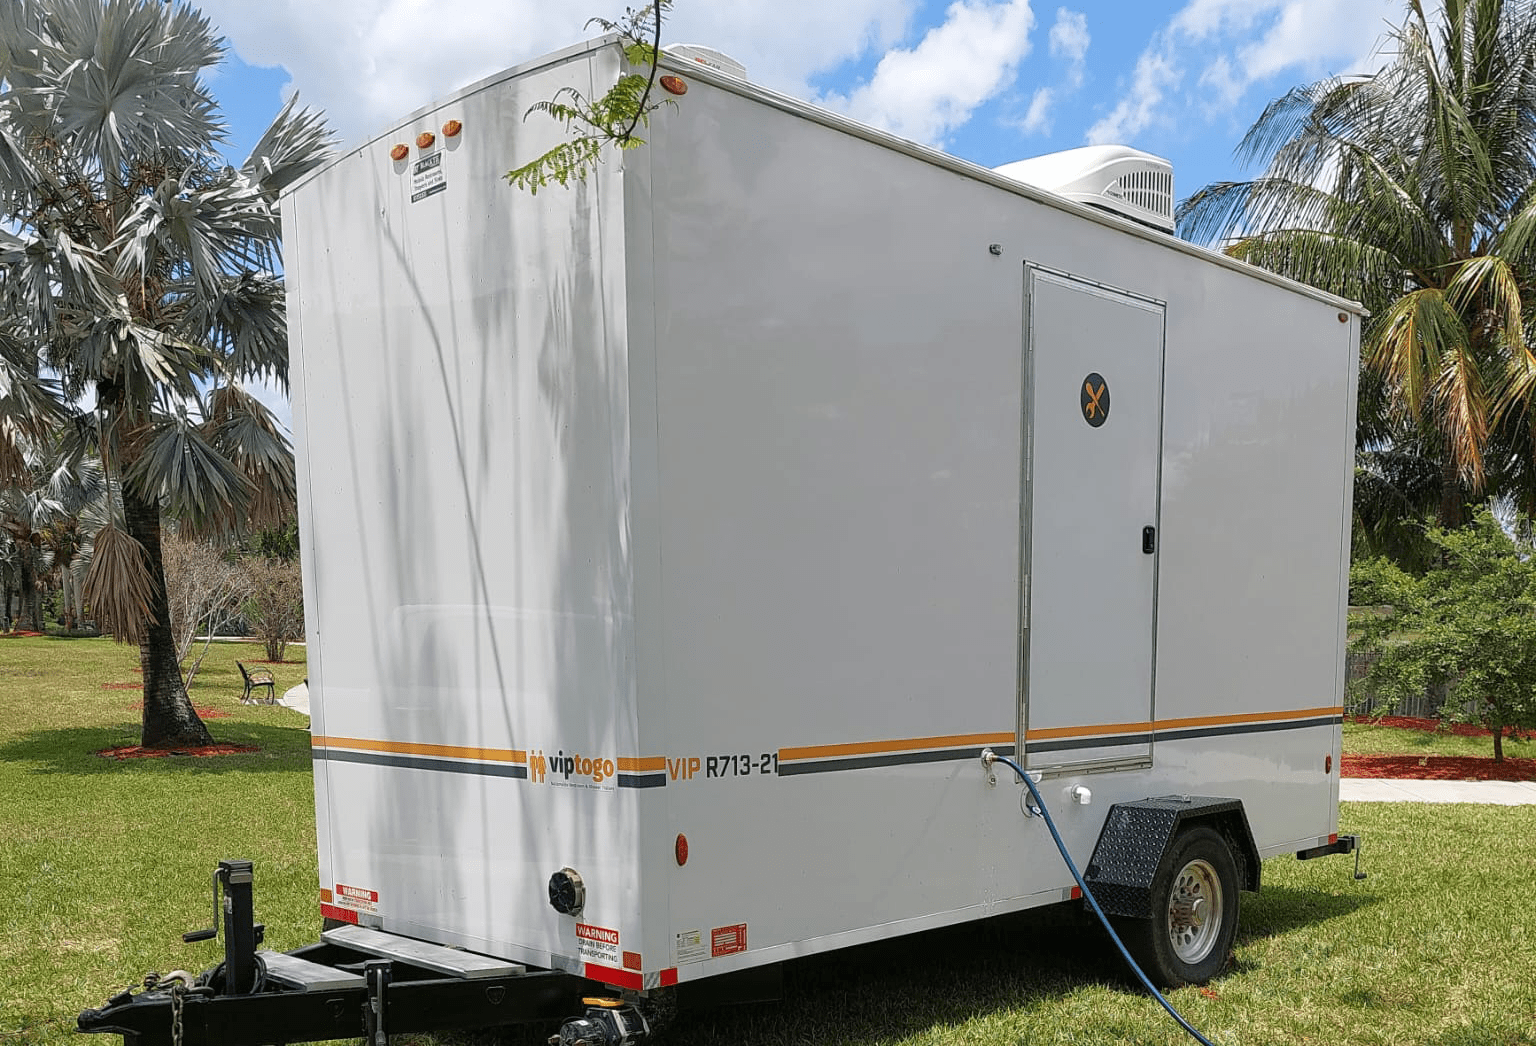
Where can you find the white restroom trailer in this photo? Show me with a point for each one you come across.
(675, 542)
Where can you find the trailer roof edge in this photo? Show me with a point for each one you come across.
(969, 169)
(827, 118)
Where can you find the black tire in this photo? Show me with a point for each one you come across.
(1185, 941)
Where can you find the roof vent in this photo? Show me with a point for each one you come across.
(1117, 178)
(708, 56)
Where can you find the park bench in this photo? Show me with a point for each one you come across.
(255, 679)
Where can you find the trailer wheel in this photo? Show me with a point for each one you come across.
(1194, 905)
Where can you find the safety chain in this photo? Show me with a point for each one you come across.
(180, 984)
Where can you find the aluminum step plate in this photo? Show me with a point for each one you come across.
(435, 957)
(307, 976)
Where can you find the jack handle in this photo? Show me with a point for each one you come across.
(212, 932)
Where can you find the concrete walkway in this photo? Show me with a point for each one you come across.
(1374, 790)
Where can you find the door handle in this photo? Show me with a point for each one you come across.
(1149, 540)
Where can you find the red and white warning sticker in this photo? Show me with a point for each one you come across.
(727, 940)
(358, 899)
(597, 944)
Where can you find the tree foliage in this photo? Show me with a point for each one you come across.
(1413, 190)
(611, 120)
(1469, 624)
(139, 292)
(274, 603)
(206, 589)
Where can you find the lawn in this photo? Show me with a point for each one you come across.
(105, 864)
(1370, 739)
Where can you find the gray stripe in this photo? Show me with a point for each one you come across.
(864, 762)
(414, 762)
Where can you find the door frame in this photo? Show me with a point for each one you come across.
(1026, 519)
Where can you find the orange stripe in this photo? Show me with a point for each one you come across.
(658, 762)
(492, 755)
(1087, 731)
(1051, 733)
(1104, 729)
(907, 745)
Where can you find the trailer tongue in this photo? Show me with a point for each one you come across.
(355, 983)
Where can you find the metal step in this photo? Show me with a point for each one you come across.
(307, 976)
(448, 961)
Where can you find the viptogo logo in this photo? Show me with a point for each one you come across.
(560, 768)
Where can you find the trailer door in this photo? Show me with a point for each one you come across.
(1092, 456)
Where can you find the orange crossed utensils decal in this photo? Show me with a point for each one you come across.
(1091, 408)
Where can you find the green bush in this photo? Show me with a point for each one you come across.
(1469, 623)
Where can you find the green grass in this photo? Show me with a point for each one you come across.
(1366, 739)
(105, 864)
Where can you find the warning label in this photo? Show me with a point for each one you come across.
(690, 947)
(427, 178)
(726, 940)
(357, 899)
(597, 944)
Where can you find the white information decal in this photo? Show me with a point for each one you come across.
(597, 944)
(427, 178)
(691, 947)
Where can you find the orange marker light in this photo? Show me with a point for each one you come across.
(674, 85)
(325, 895)
(425, 139)
(681, 849)
(452, 128)
(399, 152)
(1327, 764)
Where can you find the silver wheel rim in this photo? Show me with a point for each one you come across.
(1195, 907)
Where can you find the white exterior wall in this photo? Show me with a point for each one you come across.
(839, 394)
(718, 457)
(462, 411)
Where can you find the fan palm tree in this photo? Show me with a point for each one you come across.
(1413, 190)
(138, 271)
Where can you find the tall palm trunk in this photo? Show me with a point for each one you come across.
(169, 719)
(31, 605)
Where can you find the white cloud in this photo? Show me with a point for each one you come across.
(370, 62)
(1240, 43)
(1037, 120)
(1069, 36)
(928, 90)
(1157, 73)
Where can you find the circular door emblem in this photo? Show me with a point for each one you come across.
(1095, 399)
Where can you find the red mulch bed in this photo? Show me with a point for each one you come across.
(1404, 722)
(1438, 767)
(20, 635)
(203, 751)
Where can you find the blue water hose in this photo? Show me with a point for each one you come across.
(988, 757)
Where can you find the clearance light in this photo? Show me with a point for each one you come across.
(452, 128)
(425, 139)
(674, 85)
(399, 153)
(681, 849)
(1328, 764)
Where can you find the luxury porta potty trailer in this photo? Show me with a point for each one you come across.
(688, 550)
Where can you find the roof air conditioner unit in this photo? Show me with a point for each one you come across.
(708, 56)
(1117, 178)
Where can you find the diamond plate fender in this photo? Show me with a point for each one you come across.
(1136, 835)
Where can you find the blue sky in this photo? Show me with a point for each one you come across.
(988, 80)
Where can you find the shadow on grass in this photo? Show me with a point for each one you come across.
(1280, 909)
(900, 988)
(73, 751)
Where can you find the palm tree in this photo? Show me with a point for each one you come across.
(139, 271)
(1413, 190)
